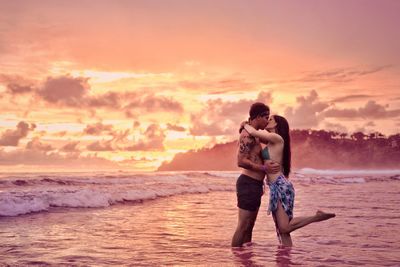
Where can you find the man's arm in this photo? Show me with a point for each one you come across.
(246, 144)
(272, 167)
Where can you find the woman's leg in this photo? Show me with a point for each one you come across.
(286, 226)
(284, 238)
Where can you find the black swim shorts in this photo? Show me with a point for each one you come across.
(249, 192)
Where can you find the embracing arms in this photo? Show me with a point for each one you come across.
(246, 159)
(265, 136)
(250, 161)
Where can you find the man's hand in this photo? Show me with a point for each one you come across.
(272, 167)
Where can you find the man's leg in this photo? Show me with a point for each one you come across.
(249, 233)
(244, 228)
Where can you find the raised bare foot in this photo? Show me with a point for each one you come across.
(322, 216)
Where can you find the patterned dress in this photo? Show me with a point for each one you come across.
(281, 190)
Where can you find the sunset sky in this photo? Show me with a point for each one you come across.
(128, 84)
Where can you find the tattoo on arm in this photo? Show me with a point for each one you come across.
(246, 144)
(245, 158)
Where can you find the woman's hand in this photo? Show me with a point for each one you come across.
(242, 126)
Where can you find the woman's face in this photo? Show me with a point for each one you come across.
(271, 126)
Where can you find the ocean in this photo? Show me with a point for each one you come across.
(188, 219)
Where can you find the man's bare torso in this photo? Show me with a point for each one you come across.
(250, 148)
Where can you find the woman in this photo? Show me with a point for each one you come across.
(277, 140)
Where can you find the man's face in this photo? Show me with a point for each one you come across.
(264, 119)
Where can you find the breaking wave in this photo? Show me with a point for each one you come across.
(26, 193)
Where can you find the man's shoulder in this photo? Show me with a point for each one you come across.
(245, 137)
(245, 134)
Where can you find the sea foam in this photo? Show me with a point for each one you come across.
(26, 193)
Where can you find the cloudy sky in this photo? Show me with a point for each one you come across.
(128, 84)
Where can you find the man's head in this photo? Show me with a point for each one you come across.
(259, 114)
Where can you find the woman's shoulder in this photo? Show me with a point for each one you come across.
(274, 136)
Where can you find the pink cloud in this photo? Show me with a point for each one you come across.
(132, 161)
(151, 102)
(70, 147)
(36, 144)
(12, 137)
(16, 84)
(219, 86)
(16, 89)
(337, 127)
(176, 128)
(60, 134)
(153, 140)
(97, 128)
(351, 98)
(307, 113)
(371, 110)
(341, 74)
(108, 100)
(100, 146)
(31, 157)
(65, 90)
(220, 117)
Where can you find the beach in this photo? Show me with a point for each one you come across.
(188, 219)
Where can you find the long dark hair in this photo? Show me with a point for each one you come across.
(282, 128)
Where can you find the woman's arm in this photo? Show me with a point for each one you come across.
(264, 135)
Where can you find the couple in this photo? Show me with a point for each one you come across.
(274, 161)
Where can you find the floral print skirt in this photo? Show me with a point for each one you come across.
(281, 190)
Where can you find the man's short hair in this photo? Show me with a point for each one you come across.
(258, 109)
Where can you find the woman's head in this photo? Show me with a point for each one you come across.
(279, 125)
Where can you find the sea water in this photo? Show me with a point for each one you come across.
(188, 219)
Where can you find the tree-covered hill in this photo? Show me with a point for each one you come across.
(310, 148)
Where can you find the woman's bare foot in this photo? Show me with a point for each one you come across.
(322, 216)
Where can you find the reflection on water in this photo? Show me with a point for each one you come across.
(197, 230)
(252, 254)
(282, 256)
(244, 256)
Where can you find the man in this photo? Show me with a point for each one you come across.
(249, 185)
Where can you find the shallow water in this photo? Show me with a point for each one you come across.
(196, 229)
